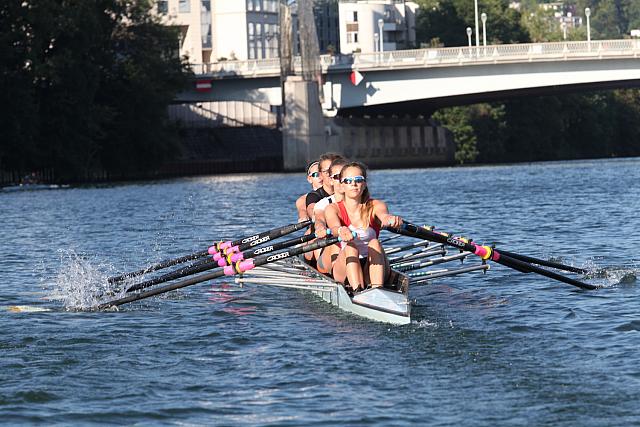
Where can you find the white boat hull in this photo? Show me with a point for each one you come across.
(389, 304)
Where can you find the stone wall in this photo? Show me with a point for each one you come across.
(391, 142)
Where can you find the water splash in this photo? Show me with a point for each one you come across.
(612, 276)
(82, 283)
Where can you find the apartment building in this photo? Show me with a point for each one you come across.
(327, 21)
(192, 18)
(376, 25)
(240, 29)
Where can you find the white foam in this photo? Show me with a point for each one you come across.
(81, 283)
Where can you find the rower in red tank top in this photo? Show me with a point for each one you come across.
(361, 260)
(364, 235)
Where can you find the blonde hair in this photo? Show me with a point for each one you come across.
(366, 208)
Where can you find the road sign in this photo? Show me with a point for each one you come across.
(356, 78)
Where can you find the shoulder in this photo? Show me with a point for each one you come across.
(379, 204)
(332, 207)
(313, 197)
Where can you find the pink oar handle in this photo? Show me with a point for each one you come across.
(219, 247)
(239, 268)
(487, 252)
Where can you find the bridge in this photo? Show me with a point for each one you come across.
(398, 80)
(409, 83)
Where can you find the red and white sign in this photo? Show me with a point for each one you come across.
(203, 85)
(356, 78)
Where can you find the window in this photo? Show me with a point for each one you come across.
(184, 6)
(205, 23)
(252, 42)
(249, 4)
(355, 37)
(163, 7)
(355, 16)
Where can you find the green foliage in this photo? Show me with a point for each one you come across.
(457, 119)
(85, 85)
(599, 124)
(447, 21)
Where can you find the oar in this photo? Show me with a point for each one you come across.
(539, 261)
(485, 252)
(217, 247)
(232, 258)
(239, 268)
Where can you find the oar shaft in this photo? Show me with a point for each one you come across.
(523, 266)
(227, 271)
(158, 266)
(486, 253)
(543, 262)
(187, 271)
(210, 264)
(257, 239)
(235, 257)
(248, 242)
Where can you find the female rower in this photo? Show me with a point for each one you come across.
(327, 188)
(327, 254)
(361, 260)
(322, 192)
(314, 177)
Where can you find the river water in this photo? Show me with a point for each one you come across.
(501, 348)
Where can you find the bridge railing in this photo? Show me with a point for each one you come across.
(416, 58)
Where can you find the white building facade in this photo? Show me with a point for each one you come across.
(190, 17)
(377, 25)
(223, 29)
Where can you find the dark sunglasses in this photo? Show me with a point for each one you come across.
(336, 176)
(314, 174)
(351, 179)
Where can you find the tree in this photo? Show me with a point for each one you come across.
(448, 19)
(87, 83)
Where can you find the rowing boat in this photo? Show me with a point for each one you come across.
(411, 263)
(388, 304)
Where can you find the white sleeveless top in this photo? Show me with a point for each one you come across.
(323, 203)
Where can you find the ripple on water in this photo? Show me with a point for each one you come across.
(31, 396)
(631, 326)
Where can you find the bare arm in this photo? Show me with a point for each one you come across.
(333, 223)
(381, 212)
(301, 208)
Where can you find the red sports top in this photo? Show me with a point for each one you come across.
(346, 221)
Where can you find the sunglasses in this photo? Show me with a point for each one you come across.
(353, 179)
(336, 176)
(314, 174)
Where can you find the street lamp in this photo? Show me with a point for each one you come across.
(564, 30)
(469, 32)
(484, 29)
(380, 25)
(475, 3)
(587, 13)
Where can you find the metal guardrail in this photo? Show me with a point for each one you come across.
(439, 57)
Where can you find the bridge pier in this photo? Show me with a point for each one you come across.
(303, 131)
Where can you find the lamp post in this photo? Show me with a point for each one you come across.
(564, 30)
(375, 42)
(587, 13)
(484, 29)
(475, 4)
(469, 32)
(380, 25)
